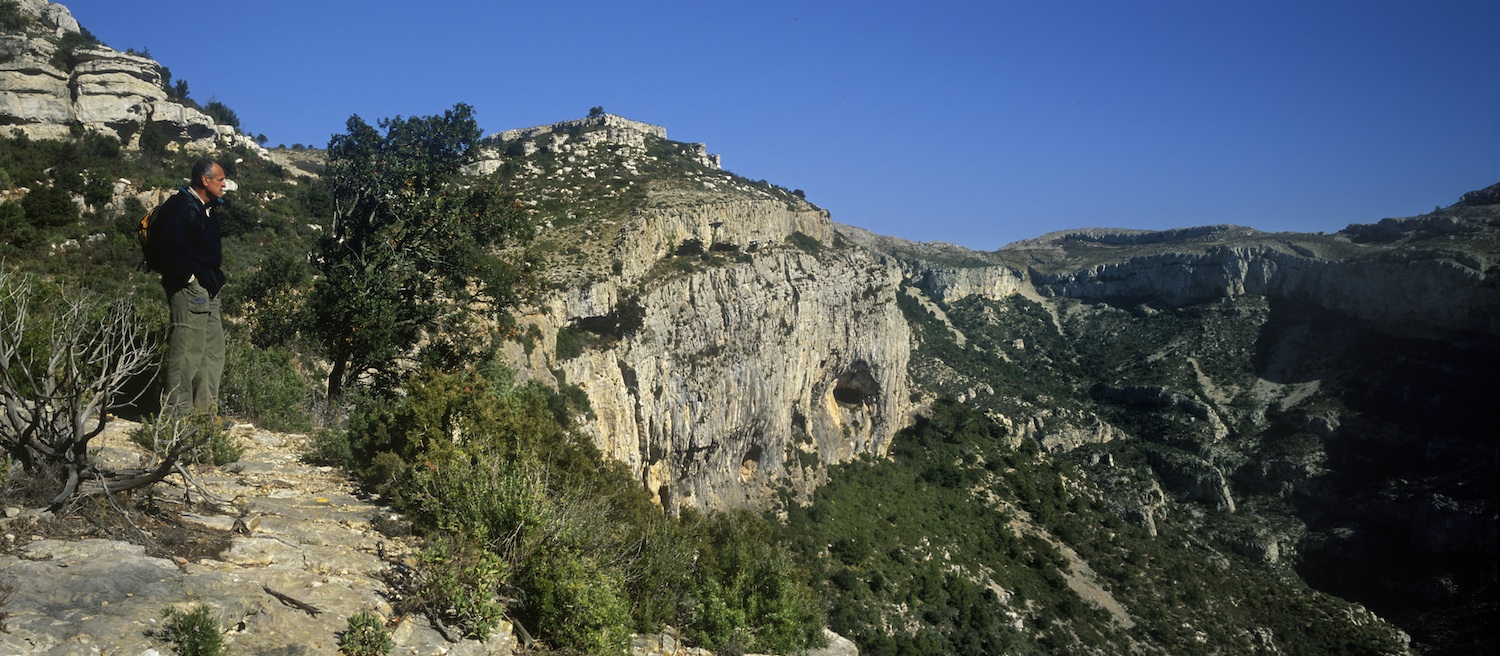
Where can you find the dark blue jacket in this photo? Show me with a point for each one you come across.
(186, 236)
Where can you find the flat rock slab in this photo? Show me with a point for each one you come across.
(300, 531)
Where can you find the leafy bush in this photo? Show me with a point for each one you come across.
(805, 242)
(71, 42)
(330, 446)
(15, 231)
(569, 343)
(748, 592)
(366, 636)
(12, 19)
(578, 601)
(272, 293)
(50, 207)
(221, 114)
(98, 190)
(264, 387)
(461, 585)
(155, 137)
(192, 633)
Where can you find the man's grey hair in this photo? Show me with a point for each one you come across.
(201, 168)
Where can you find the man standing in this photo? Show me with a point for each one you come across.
(185, 236)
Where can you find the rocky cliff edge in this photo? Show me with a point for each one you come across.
(52, 81)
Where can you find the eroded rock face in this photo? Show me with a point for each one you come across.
(761, 347)
(727, 225)
(740, 373)
(32, 91)
(953, 283)
(99, 89)
(811, 356)
(1367, 273)
(1418, 297)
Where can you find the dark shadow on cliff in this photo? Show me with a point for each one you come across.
(1403, 516)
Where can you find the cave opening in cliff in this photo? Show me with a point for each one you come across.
(857, 385)
(751, 462)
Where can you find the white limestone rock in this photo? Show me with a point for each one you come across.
(106, 91)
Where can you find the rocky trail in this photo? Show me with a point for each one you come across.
(281, 551)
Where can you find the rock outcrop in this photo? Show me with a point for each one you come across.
(1428, 297)
(593, 131)
(741, 372)
(282, 527)
(50, 86)
(1390, 275)
(762, 349)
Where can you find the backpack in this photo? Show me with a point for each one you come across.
(149, 256)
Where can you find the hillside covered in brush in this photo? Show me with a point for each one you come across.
(611, 387)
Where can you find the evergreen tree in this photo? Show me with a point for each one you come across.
(411, 245)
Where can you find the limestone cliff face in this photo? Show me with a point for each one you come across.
(1421, 297)
(766, 347)
(742, 376)
(100, 89)
(953, 283)
(728, 225)
(1416, 292)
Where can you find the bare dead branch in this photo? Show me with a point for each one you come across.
(292, 601)
(144, 537)
(62, 369)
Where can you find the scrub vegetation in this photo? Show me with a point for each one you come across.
(1069, 486)
(523, 518)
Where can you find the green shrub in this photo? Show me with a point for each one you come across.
(155, 137)
(272, 295)
(99, 149)
(15, 232)
(50, 207)
(366, 636)
(67, 47)
(97, 191)
(486, 416)
(221, 114)
(11, 17)
(577, 603)
(661, 574)
(749, 593)
(484, 497)
(330, 446)
(569, 343)
(222, 448)
(460, 585)
(264, 386)
(805, 242)
(192, 633)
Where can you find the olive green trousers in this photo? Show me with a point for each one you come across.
(195, 352)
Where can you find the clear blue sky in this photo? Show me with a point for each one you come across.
(978, 123)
